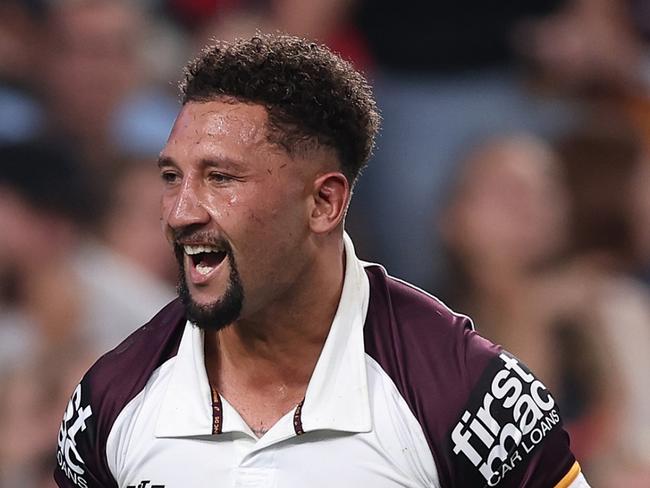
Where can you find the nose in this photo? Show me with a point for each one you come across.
(185, 207)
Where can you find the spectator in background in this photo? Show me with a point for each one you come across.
(507, 230)
(21, 23)
(600, 160)
(41, 329)
(507, 220)
(638, 109)
(541, 255)
(91, 66)
(30, 411)
(65, 299)
(102, 101)
(131, 227)
(604, 163)
(640, 217)
(446, 74)
(587, 48)
(87, 74)
(328, 21)
(63, 278)
(65, 295)
(41, 198)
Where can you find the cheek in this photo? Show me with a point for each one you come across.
(271, 232)
(283, 219)
(166, 205)
(166, 231)
(223, 206)
(263, 227)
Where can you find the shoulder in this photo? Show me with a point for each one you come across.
(426, 348)
(133, 361)
(411, 330)
(486, 418)
(108, 386)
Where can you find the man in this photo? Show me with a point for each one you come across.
(288, 362)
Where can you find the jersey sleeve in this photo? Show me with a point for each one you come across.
(108, 386)
(509, 432)
(81, 451)
(488, 421)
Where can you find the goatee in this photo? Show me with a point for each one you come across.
(221, 313)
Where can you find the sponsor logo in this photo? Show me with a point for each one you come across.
(145, 484)
(74, 421)
(513, 417)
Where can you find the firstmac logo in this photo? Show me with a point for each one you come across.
(74, 421)
(525, 411)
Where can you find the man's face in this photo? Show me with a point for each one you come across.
(235, 208)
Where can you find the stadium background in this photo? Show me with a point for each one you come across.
(511, 178)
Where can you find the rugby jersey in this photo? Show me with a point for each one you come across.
(404, 394)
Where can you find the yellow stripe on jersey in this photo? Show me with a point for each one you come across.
(571, 475)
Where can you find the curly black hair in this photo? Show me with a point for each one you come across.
(311, 94)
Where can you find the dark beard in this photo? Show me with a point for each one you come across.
(217, 315)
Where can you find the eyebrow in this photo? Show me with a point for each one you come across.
(165, 161)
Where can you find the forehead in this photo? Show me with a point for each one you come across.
(236, 122)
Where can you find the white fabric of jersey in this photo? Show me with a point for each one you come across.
(365, 433)
(361, 430)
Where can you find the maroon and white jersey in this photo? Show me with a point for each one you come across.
(404, 394)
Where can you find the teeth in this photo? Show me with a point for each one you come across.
(191, 250)
(203, 269)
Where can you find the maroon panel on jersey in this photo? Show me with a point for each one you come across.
(487, 420)
(113, 381)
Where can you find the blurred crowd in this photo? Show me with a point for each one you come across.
(511, 179)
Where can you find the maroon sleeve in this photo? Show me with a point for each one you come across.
(509, 432)
(112, 382)
(488, 421)
(80, 457)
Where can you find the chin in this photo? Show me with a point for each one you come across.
(213, 315)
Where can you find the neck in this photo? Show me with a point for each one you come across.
(281, 343)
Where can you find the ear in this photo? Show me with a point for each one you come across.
(331, 194)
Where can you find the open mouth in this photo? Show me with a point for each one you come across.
(205, 259)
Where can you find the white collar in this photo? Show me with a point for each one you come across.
(337, 393)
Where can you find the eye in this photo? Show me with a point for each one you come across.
(169, 177)
(217, 177)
